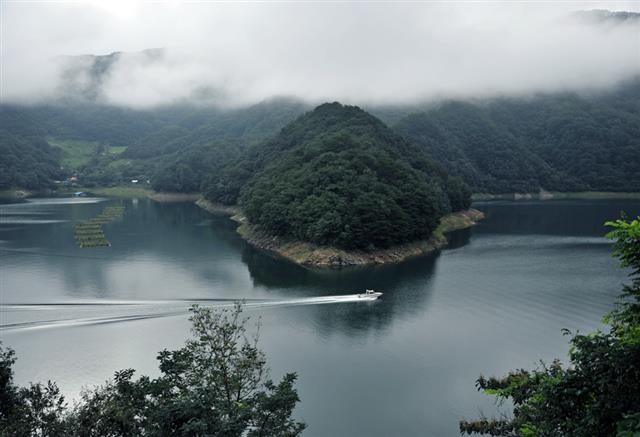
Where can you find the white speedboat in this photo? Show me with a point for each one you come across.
(370, 295)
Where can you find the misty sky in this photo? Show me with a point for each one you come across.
(235, 54)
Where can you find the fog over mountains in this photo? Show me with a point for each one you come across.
(512, 97)
(236, 55)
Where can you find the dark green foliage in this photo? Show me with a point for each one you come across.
(185, 171)
(464, 139)
(459, 193)
(338, 176)
(116, 408)
(155, 139)
(560, 142)
(28, 163)
(199, 126)
(599, 393)
(26, 160)
(215, 385)
(625, 319)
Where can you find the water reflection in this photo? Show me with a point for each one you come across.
(553, 217)
(495, 300)
(178, 251)
(406, 289)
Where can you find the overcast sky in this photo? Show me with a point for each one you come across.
(352, 52)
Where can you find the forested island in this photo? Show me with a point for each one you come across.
(338, 187)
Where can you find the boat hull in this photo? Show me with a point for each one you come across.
(369, 296)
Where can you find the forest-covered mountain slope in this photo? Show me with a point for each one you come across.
(149, 141)
(561, 142)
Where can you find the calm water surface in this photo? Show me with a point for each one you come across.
(403, 365)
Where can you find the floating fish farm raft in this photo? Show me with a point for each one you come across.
(90, 233)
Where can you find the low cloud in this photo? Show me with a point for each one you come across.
(365, 53)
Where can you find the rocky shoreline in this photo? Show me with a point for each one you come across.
(312, 255)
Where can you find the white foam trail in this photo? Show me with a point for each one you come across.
(21, 212)
(86, 321)
(314, 300)
(145, 309)
(18, 221)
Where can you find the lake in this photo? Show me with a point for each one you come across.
(496, 299)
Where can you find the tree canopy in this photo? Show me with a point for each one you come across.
(559, 142)
(154, 140)
(339, 176)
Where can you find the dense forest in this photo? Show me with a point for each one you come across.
(27, 160)
(556, 142)
(339, 176)
(559, 142)
(150, 142)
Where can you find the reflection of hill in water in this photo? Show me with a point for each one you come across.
(406, 287)
(274, 272)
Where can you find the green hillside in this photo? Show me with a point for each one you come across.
(557, 142)
(561, 142)
(339, 176)
(107, 145)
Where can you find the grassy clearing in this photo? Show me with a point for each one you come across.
(75, 153)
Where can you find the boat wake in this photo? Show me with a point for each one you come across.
(22, 316)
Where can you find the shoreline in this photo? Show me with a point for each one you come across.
(557, 195)
(124, 191)
(315, 256)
